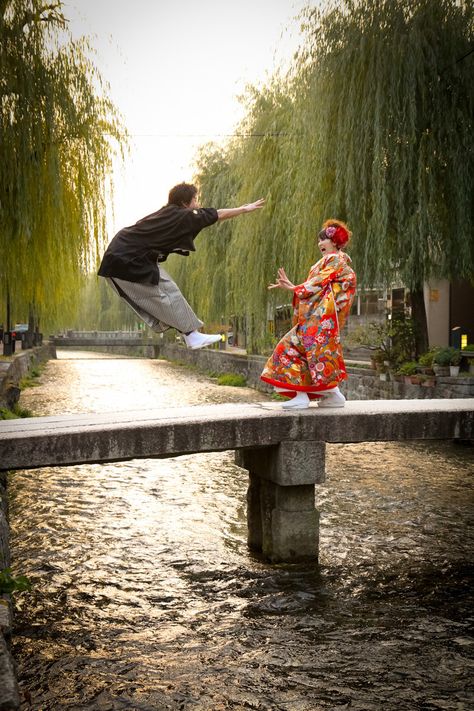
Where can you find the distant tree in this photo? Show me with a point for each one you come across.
(99, 309)
(56, 127)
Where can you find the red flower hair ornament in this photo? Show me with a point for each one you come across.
(337, 234)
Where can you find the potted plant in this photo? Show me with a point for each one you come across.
(468, 354)
(442, 361)
(425, 362)
(407, 370)
(455, 362)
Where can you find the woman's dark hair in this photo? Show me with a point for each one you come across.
(182, 194)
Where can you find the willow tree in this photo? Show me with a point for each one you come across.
(373, 124)
(390, 86)
(56, 123)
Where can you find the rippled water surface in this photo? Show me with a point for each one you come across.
(146, 597)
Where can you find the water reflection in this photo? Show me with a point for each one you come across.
(146, 597)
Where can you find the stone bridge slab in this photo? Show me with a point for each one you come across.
(90, 438)
(284, 452)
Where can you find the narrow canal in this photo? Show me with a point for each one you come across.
(146, 598)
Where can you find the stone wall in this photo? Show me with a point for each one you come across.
(9, 697)
(13, 369)
(362, 384)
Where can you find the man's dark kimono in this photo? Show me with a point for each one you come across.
(130, 265)
(133, 253)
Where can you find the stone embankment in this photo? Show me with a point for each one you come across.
(16, 367)
(12, 370)
(362, 384)
(9, 697)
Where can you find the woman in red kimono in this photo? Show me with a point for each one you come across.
(307, 363)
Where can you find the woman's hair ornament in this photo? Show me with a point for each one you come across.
(337, 232)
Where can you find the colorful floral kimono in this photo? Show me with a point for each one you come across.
(309, 357)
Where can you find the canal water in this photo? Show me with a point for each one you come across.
(146, 598)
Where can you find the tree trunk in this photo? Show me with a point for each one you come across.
(9, 324)
(420, 322)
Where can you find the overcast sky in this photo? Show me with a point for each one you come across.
(176, 70)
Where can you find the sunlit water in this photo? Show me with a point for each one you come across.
(146, 597)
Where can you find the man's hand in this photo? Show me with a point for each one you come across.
(251, 206)
(228, 213)
(282, 281)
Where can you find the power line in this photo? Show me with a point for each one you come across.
(202, 135)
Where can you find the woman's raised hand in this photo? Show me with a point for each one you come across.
(282, 281)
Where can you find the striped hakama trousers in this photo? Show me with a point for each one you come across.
(160, 306)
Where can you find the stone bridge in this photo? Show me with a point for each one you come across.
(284, 452)
(101, 338)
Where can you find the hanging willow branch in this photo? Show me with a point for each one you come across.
(55, 158)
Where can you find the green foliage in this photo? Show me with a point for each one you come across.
(14, 413)
(10, 585)
(31, 379)
(373, 124)
(27, 382)
(99, 308)
(234, 379)
(426, 360)
(408, 368)
(443, 356)
(56, 128)
(456, 356)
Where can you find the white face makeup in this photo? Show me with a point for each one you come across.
(326, 246)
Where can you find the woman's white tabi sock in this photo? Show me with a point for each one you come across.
(299, 402)
(332, 398)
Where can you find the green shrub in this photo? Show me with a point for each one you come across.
(10, 585)
(426, 360)
(237, 381)
(408, 368)
(14, 413)
(456, 356)
(447, 356)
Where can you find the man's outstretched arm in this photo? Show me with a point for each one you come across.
(228, 213)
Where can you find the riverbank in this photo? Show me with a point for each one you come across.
(12, 370)
(363, 383)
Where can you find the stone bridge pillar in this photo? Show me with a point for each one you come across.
(283, 523)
